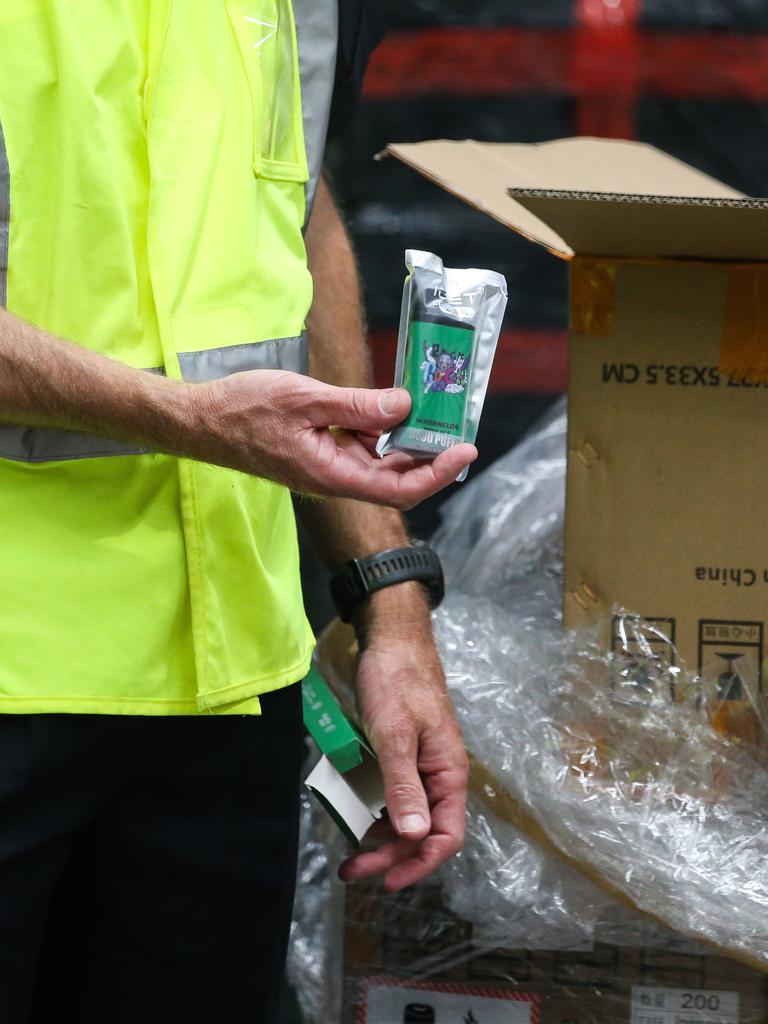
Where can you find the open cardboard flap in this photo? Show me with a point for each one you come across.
(598, 197)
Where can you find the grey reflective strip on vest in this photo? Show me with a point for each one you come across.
(5, 217)
(317, 31)
(45, 444)
(277, 354)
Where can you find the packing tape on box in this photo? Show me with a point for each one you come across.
(593, 285)
(744, 343)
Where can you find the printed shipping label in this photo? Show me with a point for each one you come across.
(683, 1006)
(392, 1002)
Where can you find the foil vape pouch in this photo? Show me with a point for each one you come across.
(449, 327)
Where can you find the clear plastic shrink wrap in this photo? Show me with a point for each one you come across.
(315, 953)
(599, 787)
(503, 536)
(638, 792)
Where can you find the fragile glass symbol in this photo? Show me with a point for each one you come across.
(730, 685)
(419, 1013)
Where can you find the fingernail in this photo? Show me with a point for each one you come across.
(390, 402)
(412, 823)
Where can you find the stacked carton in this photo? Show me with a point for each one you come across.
(423, 955)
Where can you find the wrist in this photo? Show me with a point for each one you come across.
(168, 414)
(383, 575)
(398, 612)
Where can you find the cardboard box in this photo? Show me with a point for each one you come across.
(665, 518)
(666, 499)
(411, 951)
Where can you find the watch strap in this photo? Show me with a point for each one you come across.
(361, 577)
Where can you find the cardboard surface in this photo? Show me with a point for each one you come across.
(668, 388)
(479, 174)
(665, 515)
(421, 942)
(510, 182)
(627, 226)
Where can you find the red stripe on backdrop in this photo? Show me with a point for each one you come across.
(527, 361)
(510, 61)
(471, 62)
(605, 77)
(608, 13)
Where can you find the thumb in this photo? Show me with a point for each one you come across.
(406, 800)
(363, 409)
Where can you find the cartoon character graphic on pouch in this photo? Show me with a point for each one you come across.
(459, 376)
(429, 366)
(442, 372)
(449, 372)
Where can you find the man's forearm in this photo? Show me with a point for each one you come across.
(400, 686)
(344, 529)
(47, 382)
(268, 423)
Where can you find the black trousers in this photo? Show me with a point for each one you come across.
(147, 865)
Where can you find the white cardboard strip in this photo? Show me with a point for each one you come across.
(357, 796)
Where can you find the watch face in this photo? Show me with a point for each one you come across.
(419, 1013)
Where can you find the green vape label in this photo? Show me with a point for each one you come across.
(436, 374)
(328, 725)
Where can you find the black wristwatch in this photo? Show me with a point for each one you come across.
(361, 577)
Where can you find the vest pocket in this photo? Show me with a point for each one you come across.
(266, 36)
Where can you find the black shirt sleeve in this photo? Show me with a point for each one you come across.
(362, 26)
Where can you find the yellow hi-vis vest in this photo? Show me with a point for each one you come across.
(157, 162)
